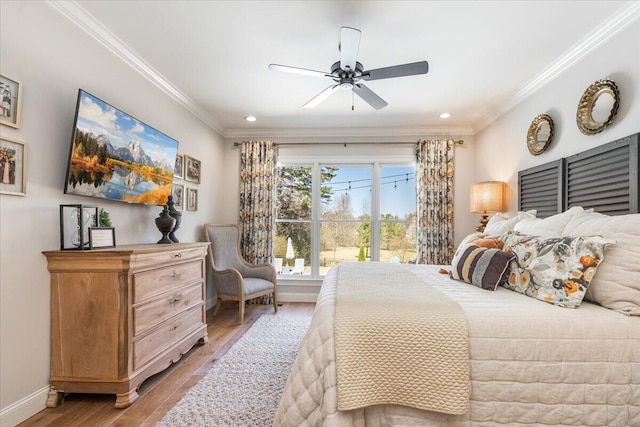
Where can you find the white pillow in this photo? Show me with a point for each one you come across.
(500, 224)
(616, 285)
(550, 226)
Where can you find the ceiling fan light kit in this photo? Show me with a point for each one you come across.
(348, 72)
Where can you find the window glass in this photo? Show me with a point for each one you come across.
(293, 243)
(293, 192)
(346, 192)
(345, 220)
(343, 241)
(398, 241)
(397, 214)
(397, 193)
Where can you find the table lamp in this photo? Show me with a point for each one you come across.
(487, 196)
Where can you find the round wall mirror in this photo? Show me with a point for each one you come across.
(540, 134)
(597, 107)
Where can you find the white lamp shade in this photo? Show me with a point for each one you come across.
(488, 196)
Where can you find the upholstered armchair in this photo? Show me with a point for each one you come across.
(234, 278)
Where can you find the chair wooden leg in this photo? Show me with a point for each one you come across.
(275, 303)
(241, 304)
(217, 307)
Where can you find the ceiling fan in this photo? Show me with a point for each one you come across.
(348, 72)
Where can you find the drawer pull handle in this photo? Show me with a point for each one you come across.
(173, 328)
(177, 256)
(174, 274)
(174, 299)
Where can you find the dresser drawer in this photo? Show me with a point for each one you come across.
(174, 254)
(149, 346)
(168, 305)
(154, 282)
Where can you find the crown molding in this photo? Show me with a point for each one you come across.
(89, 24)
(79, 16)
(621, 19)
(349, 132)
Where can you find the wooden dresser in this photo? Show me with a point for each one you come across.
(122, 314)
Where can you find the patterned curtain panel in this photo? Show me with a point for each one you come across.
(257, 194)
(434, 188)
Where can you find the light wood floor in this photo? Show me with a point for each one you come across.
(161, 392)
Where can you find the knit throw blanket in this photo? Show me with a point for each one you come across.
(398, 341)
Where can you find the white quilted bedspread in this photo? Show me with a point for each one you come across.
(532, 363)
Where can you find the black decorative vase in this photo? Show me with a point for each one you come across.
(174, 213)
(165, 224)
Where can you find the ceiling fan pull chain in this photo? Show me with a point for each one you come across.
(352, 102)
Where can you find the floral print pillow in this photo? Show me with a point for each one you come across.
(556, 270)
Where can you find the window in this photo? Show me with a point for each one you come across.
(397, 214)
(293, 216)
(327, 213)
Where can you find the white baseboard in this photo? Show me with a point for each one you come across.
(24, 408)
(297, 297)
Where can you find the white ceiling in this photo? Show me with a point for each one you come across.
(484, 57)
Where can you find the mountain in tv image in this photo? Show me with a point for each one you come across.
(115, 156)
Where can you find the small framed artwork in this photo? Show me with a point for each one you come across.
(102, 237)
(178, 170)
(13, 167)
(192, 199)
(192, 169)
(11, 105)
(177, 191)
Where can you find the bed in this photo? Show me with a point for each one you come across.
(528, 362)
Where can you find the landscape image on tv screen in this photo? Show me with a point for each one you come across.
(115, 156)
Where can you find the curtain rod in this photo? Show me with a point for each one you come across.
(301, 144)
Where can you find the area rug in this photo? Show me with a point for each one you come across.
(244, 387)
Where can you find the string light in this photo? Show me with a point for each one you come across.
(349, 186)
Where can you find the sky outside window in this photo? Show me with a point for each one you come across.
(397, 189)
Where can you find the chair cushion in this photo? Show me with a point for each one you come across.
(253, 285)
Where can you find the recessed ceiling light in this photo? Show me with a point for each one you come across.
(250, 118)
(445, 115)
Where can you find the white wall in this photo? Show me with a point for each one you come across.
(53, 59)
(501, 147)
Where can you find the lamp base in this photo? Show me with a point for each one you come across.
(483, 222)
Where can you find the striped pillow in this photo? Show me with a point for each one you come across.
(482, 267)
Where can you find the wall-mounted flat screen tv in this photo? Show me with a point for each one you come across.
(117, 157)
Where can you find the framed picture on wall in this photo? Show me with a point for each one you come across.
(178, 170)
(177, 191)
(192, 199)
(13, 167)
(192, 169)
(11, 101)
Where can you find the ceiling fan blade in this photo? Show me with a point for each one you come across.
(321, 96)
(369, 96)
(296, 70)
(397, 71)
(349, 46)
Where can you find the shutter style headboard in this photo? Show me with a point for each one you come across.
(605, 178)
(540, 188)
